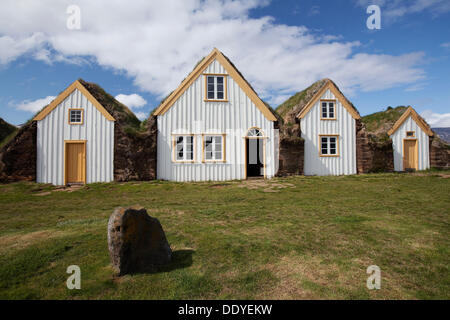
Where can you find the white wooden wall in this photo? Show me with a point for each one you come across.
(422, 140)
(54, 129)
(312, 126)
(190, 114)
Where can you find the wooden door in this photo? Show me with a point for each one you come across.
(409, 154)
(75, 162)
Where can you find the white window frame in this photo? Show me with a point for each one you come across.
(328, 142)
(214, 146)
(328, 105)
(184, 148)
(215, 84)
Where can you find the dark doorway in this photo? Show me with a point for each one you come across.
(255, 157)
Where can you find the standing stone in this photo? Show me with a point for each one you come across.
(136, 241)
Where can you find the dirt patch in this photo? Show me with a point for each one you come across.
(70, 188)
(219, 186)
(46, 193)
(21, 241)
(291, 272)
(266, 185)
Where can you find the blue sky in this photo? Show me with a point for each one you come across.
(142, 50)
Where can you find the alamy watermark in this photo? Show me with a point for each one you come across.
(74, 281)
(374, 20)
(374, 280)
(73, 21)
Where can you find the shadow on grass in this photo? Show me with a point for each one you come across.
(180, 259)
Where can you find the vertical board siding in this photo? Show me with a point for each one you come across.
(191, 114)
(344, 125)
(54, 129)
(423, 153)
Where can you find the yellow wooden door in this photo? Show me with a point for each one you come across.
(75, 163)
(410, 156)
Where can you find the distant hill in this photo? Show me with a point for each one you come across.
(6, 130)
(443, 133)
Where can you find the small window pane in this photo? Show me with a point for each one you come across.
(219, 80)
(75, 116)
(211, 80)
(331, 110)
(218, 155)
(220, 95)
(209, 147)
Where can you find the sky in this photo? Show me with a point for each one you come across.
(140, 50)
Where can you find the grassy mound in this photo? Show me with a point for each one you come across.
(289, 109)
(379, 123)
(7, 131)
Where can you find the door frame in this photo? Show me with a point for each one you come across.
(66, 142)
(416, 151)
(246, 155)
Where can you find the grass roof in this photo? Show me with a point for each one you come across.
(123, 115)
(289, 109)
(379, 123)
(7, 131)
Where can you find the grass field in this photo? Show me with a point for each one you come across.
(287, 238)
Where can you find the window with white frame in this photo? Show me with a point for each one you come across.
(184, 148)
(329, 145)
(328, 109)
(215, 87)
(75, 116)
(213, 148)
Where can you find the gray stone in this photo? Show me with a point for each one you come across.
(136, 241)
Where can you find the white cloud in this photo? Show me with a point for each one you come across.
(436, 120)
(11, 48)
(141, 115)
(158, 43)
(133, 101)
(446, 45)
(391, 10)
(34, 106)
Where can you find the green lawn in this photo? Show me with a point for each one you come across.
(287, 238)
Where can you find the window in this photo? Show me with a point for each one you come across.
(216, 88)
(213, 148)
(410, 134)
(328, 110)
(75, 116)
(254, 132)
(184, 148)
(329, 146)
